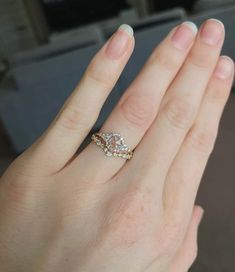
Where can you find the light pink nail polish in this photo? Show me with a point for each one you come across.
(184, 35)
(224, 68)
(212, 32)
(118, 43)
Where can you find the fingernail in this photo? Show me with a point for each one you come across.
(184, 35)
(212, 31)
(118, 43)
(200, 216)
(128, 29)
(224, 68)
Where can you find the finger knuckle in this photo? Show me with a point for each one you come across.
(201, 59)
(102, 77)
(71, 118)
(164, 58)
(202, 140)
(179, 113)
(137, 110)
(218, 93)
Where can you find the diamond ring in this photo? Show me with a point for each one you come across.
(112, 144)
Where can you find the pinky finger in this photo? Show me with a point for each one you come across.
(187, 254)
(187, 169)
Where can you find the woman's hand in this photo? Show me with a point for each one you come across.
(63, 212)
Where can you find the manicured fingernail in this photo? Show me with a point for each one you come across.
(224, 68)
(184, 35)
(119, 41)
(212, 31)
(128, 29)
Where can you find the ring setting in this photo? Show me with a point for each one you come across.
(112, 144)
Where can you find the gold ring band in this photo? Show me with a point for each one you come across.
(112, 144)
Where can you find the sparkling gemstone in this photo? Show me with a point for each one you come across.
(115, 142)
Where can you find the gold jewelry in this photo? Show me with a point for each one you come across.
(112, 144)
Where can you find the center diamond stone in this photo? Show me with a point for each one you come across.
(115, 143)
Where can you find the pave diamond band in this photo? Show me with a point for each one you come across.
(112, 144)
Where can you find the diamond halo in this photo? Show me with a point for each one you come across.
(112, 144)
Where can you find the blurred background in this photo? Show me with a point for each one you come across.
(45, 46)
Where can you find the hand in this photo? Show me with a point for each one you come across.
(89, 212)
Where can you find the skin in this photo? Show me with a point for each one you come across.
(65, 212)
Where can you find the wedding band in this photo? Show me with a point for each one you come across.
(112, 144)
